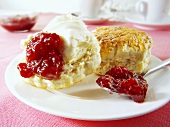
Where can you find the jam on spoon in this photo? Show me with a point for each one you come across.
(120, 80)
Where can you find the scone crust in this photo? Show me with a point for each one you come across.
(122, 46)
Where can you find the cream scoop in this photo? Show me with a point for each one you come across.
(75, 35)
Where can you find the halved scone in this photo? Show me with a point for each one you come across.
(123, 46)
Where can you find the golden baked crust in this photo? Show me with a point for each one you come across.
(123, 46)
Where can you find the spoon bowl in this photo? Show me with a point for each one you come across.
(134, 87)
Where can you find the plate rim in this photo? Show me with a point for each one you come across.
(130, 18)
(75, 116)
(97, 20)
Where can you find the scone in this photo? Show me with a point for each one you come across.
(62, 54)
(123, 46)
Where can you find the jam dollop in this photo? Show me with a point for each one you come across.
(123, 81)
(43, 57)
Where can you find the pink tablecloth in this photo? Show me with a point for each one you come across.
(14, 113)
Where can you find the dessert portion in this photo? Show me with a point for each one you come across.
(62, 54)
(123, 46)
(120, 80)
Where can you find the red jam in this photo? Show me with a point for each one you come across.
(123, 81)
(43, 56)
(18, 23)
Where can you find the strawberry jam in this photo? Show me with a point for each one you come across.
(43, 57)
(122, 81)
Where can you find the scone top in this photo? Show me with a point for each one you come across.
(123, 46)
(111, 37)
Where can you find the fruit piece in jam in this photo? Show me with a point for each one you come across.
(120, 80)
(43, 57)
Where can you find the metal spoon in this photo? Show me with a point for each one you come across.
(150, 71)
(153, 69)
(74, 14)
(157, 67)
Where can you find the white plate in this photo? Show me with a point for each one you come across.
(138, 22)
(101, 18)
(86, 100)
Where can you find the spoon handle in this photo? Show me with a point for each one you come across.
(157, 67)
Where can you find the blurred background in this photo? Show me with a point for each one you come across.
(120, 7)
(60, 6)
